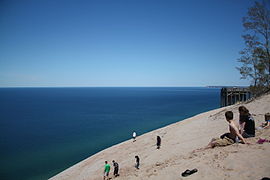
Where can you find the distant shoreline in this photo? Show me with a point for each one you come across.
(106, 87)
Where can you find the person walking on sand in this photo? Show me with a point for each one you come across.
(107, 168)
(134, 136)
(116, 168)
(158, 142)
(246, 122)
(228, 138)
(137, 164)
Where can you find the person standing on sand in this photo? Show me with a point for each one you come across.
(228, 138)
(134, 136)
(107, 168)
(158, 142)
(116, 168)
(267, 121)
(137, 162)
(246, 122)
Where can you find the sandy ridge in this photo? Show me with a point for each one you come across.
(238, 161)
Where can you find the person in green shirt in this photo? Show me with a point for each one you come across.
(107, 168)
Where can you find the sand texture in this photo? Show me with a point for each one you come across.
(179, 140)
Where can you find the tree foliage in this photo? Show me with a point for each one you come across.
(255, 57)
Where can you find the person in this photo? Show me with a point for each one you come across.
(116, 168)
(137, 162)
(134, 136)
(246, 122)
(227, 138)
(158, 142)
(107, 168)
(267, 121)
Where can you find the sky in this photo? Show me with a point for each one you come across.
(104, 43)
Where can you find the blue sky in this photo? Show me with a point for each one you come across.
(59, 43)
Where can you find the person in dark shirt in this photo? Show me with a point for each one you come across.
(158, 142)
(137, 162)
(246, 122)
(116, 168)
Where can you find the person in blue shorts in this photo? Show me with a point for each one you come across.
(267, 121)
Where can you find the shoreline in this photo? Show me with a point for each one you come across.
(178, 141)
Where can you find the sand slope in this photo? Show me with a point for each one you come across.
(238, 161)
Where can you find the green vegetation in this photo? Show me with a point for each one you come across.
(255, 57)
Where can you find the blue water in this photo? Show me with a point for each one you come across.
(46, 130)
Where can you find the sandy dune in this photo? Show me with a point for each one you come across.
(238, 161)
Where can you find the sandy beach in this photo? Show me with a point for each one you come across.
(179, 140)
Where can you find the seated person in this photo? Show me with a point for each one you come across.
(246, 121)
(228, 138)
(267, 121)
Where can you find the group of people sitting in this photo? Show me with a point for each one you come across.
(246, 128)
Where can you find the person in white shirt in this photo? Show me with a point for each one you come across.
(134, 136)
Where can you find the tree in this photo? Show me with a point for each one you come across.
(255, 57)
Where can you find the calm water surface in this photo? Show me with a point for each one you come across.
(46, 130)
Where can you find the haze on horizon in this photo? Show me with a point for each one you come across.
(121, 43)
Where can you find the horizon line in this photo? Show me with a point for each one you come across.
(207, 86)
